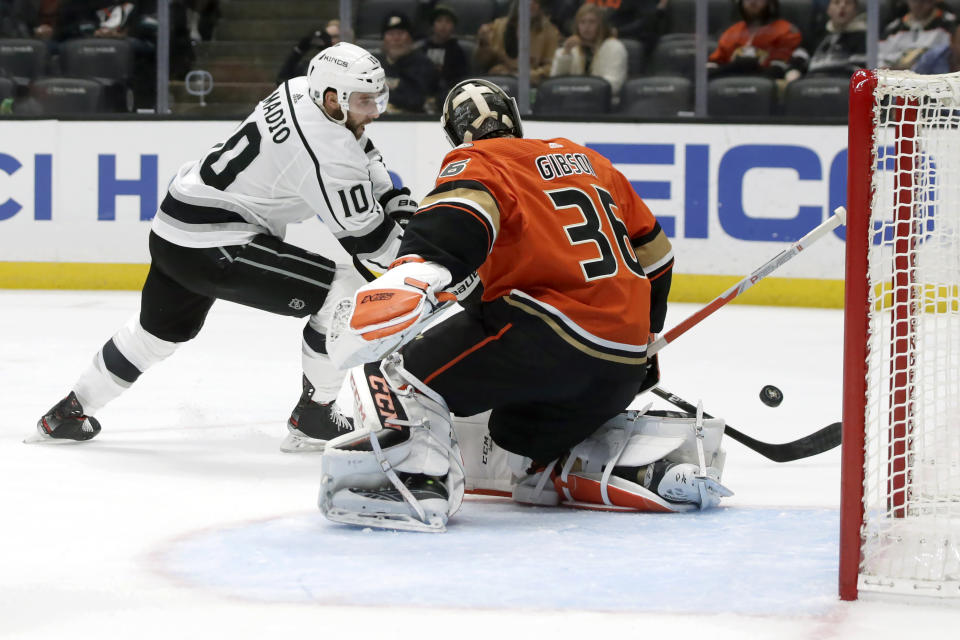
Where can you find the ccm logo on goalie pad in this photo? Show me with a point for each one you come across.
(382, 398)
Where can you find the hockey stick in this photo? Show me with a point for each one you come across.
(817, 442)
(838, 218)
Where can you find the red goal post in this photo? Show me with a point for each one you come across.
(900, 495)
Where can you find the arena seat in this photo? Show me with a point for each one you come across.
(7, 88)
(743, 96)
(572, 96)
(634, 57)
(817, 97)
(676, 56)
(656, 96)
(681, 16)
(507, 83)
(108, 61)
(67, 96)
(23, 59)
(469, 47)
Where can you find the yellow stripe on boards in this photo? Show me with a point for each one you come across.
(773, 292)
(72, 275)
(932, 297)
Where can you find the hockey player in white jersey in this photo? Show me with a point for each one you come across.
(219, 235)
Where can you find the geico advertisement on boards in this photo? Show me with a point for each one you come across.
(729, 197)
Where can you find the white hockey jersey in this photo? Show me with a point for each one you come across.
(285, 163)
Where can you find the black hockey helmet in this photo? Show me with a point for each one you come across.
(477, 109)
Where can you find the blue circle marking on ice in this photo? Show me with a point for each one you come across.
(500, 555)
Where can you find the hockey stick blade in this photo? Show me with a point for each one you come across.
(816, 443)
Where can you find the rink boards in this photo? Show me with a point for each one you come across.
(76, 198)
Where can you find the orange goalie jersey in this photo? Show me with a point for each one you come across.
(555, 230)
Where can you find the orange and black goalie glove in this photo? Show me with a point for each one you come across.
(385, 314)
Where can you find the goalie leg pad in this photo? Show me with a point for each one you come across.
(400, 471)
(641, 462)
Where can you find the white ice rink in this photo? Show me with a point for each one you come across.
(183, 520)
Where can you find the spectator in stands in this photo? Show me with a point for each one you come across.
(137, 23)
(46, 24)
(923, 27)
(306, 48)
(444, 51)
(943, 58)
(202, 16)
(642, 20)
(843, 49)
(592, 50)
(761, 43)
(411, 76)
(497, 46)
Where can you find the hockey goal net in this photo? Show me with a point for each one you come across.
(900, 504)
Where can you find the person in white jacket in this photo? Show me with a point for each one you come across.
(592, 50)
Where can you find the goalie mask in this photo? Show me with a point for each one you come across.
(476, 109)
(354, 74)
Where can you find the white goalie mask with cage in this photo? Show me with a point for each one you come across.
(475, 109)
(354, 74)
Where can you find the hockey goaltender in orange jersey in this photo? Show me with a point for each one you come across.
(575, 272)
(553, 211)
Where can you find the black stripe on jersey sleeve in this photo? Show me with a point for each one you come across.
(648, 237)
(303, 139)
(449, 237)
(197, 214)
(478, 211)
(370, 243)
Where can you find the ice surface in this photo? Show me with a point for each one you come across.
(183, 519)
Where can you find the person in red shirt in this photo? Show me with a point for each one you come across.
(761, 43)
(575, 272)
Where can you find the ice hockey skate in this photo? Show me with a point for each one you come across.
(313, 423)
(65, 422)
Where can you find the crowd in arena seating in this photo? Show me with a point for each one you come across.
(60, 56)
(632, 57)
(764, 56)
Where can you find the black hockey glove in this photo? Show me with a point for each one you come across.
(653, 375)
(398, 204)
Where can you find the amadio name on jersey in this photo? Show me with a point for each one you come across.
(557, 165)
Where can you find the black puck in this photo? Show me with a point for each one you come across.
(771, 396)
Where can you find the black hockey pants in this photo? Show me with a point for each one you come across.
(266, 273)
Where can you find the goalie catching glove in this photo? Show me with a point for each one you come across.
(388, 312)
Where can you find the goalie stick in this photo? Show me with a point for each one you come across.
(817, 442)
(838, 218)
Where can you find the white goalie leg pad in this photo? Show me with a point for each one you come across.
(626, 465)
(398, 472)
(485, 464)
(493, 471)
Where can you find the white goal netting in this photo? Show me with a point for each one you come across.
(910, 539)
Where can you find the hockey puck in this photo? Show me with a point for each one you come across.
(771, 396)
